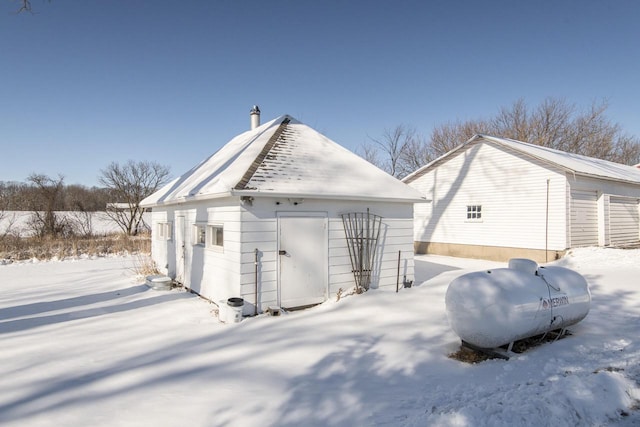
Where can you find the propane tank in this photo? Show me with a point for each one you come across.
(496, 307)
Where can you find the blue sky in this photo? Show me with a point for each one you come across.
(86, 83)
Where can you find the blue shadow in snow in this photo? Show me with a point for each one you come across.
(34, 322)
(46, 306)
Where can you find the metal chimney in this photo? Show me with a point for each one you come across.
(254, 115)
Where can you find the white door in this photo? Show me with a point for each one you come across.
(302, 249)
(180, 248)
(584, 218)
(624, 221)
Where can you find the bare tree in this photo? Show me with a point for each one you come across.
(560, 125)
(387, 151)
(81, 222)
(554, 123)
(7, 219)
(448, 136)
(46, 199)
(129, 184)
(370, 154)
(25, 6)
(416, 154)
(80, 201)
(4, 202)
(512, 122)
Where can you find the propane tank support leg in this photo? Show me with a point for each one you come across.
(562, 333)
(510, 347)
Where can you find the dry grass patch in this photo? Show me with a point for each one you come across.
(144, 266)
(23, 248)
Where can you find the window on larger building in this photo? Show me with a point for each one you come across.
(474, 212)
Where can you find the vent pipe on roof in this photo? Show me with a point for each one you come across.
(254, 115)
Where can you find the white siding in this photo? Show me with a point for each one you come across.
(512, 191)
(221, 273)
(614, 188)
(213, 273)
(624, 220)
(584, 218)
(218, 275)
(162, 248)
(612, 225)
(259, 231)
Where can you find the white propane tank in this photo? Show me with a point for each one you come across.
(496, 307)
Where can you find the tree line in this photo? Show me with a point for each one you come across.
(124, 186)
(554, 123)
(26, 196)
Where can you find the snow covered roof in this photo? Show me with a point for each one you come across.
(578, 164)
(284, 157)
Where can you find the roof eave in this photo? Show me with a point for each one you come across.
(560, 165)
(424, 169)
(186, 199)
(358, 197)
(607, 178)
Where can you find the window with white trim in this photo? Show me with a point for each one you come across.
(199, 234)
(216, 236)
(163, 230)
(474, 212)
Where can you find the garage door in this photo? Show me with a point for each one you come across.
(624, 221)
(584, 218)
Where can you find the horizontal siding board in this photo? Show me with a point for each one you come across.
(263, 257)
(339, 261)
(264, 286)
(259, 236)
(263, 267)
(265, 226)
(250, 247)
(215, 215)
(264, 276)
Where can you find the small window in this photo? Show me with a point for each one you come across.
(216, 236)
(199, 234)
(474, 212)
(163, 230)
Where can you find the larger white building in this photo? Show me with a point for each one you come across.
(498, 198)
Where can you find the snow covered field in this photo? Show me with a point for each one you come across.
(86, 343)
(17, 222)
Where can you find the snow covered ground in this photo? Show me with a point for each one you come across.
(86, 343)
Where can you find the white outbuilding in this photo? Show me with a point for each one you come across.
(497, 198)
(281, 216)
